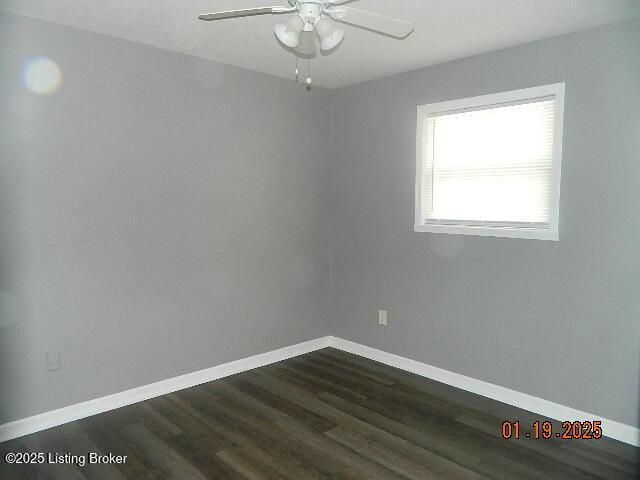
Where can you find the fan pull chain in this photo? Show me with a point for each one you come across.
(297, 71)
(309, 82)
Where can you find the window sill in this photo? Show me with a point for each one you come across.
(508, 232)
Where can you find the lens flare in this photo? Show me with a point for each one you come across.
(42, 75)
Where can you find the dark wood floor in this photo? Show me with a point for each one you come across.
(325, 415)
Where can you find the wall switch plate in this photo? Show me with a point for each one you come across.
(54, 362)
(382, 317)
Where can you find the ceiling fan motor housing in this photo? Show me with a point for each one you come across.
(314, 18)
(310, 13)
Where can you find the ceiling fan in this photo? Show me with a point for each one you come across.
(315, 18)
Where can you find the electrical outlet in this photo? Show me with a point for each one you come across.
(382, 317)
(54, 362)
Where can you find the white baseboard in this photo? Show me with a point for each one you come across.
(68, 414)
(26, 426)
(611, 428)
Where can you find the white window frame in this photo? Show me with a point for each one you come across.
(488, 228)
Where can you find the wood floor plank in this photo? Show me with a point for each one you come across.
(204, 458)
(108, 433)
(269, 428)
(173, 465)
(48, 442)
(74, 440)
(552, 448)
(392, 459)
(327, 415)
(16, 472)
(491, 456)
(379, 430)
(154, 421)
(321, 358)
(261, 443)
(447, 433)
(317, 423)
(416, 407)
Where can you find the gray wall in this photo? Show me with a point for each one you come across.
(160, 214)
(556, 320)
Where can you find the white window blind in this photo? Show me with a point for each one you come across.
(490, 165)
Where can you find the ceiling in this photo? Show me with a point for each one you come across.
(445, 30)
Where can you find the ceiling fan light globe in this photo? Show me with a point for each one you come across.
(330, 36)
(289, 33)
(332, 40)
(286, 35)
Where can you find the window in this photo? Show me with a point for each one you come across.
(490, 165)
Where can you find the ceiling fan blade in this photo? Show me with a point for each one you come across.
(245, 12)
(372, 21)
